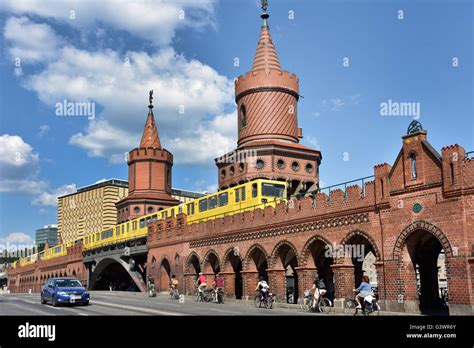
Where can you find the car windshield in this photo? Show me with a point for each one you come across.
(63, 283)
(273, 190)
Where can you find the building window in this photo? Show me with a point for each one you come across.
(259, 164)
(295, 166)
(223, 173)
(280, 164)
(136, 210)
(243, 116)
(241, 167)
(309, 168)
(451, 170)
(413, 165)
(231, 170)
(150, 210)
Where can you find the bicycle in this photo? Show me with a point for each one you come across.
(369, 306)
(267, 303)
(322, 306)
(219, 293)
(204, 295)
(174, 293)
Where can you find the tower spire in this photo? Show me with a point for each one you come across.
(150, 136)
(266, 57)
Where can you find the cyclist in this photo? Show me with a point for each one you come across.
(262, 288)
(363, 290)
(319, 289)
(174, 285)
(201, 282)
(218, 285)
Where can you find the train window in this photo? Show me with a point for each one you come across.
(128, 227)
(273, 190)
(57, 249)
(164, 215)
(254, 190)
(190, 208)
(203, 205)
(142, 223)
(237, 196)
(154, 217)
(180, 209)
(117, 231)
(147, 221)
(123, 228)
(212, 202)
(172, 212)
(134, 225)
(223, 199)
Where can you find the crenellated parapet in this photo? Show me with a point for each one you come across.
(265, 79)
(145, 154)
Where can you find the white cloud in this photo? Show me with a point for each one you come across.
(155, 21)
(30, 42)
(51, 197)
(179, 84)
(19, 170)
(17, 159)
(17, 237)
(336, 103)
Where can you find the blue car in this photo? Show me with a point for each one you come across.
(64, 290)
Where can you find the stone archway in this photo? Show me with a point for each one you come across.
(192, 268)
(232, 272)
(422, 251)
(318, 260)
(255, 266)
(110, 274)
(164, 274)
(283, 272)
(348, 269)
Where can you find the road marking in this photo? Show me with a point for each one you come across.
(224, 311)
(84, 314)
(137, 309)
(32, 302)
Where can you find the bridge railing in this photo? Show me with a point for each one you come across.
(343, 185)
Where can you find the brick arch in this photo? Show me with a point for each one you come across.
(205, 260)
(274, 254)
(225, 258)
(247, 259)
(425, 226)
(365, 235)
(189, 266)
(306, 248)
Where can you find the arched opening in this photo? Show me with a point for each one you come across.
(286, 257)
(362, 253)
(323, 261)
(113, 277)
(211, 263)
(165, 275)
(233, 259)
(259, 260)
(428, 260)
(193, 265)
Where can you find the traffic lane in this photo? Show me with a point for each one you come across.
(192, 307)
(31, 305)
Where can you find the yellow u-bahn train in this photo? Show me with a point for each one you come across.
(248, 196)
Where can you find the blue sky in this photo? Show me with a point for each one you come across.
(113, 53)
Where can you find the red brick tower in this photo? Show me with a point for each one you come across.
(268, 133)
(149, 175)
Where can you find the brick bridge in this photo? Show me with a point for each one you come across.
(405, 216)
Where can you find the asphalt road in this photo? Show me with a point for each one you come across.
(114, 303)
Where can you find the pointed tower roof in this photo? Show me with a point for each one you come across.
(266, 56)
(150, 136)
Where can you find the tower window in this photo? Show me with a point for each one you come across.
(295, 166)
(309, 168)
(243, 116)
(259, 164)
(413, 165)
(451, 169)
